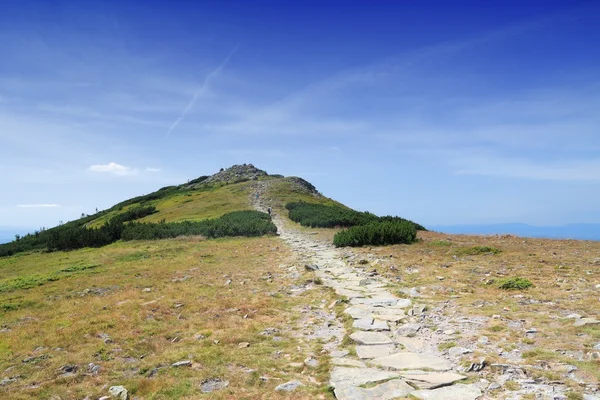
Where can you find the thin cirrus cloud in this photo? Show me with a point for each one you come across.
(120, 170)
(113, 168)
(38, 205)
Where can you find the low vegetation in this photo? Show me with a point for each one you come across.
(377, 234)
(148, 305)
(237, 223)
(514, 283)
(476, 250)
(331, 216)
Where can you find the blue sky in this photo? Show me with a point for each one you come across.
(470, 112)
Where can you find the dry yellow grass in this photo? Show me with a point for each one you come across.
(104, 316)
(564, 274)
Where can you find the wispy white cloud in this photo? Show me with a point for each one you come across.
(150, 169)
(564, 170)
(113, 168)
(212, 75)
(38, 205)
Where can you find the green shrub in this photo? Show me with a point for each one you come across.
(377, 234)
(476, 250)
(322, 216)
(514, 283)
(237, 223)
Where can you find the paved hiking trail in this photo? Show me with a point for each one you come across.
(396, 355)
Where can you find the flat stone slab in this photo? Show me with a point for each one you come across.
(414, 345)
(586, 321)
(371, 338)
(376, 301)
(403, 303)
(386, 391)
(390, 317)
(370, 324)
(348, 362)
(343, 376)
(432, 380)
(457, 391)
(358, 312)
(351, 294)
(377, 351)
(400, 361)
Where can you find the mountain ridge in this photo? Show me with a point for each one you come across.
(579, 231)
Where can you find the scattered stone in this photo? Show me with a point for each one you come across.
(146, 290)
(228, 282)
(311, 267)
(417, 309)
(483, 340)
(244, 345)
(376, 351)
(68, 370)
(494, 386)
(211, 385)
(403, 303)
(199, 336)
(311, 362)
(105, 338)
(590, 397)
(370, 338)
(586, 321)
(597, 347)
(8, 381)
(408, 330)
(458, 351)
(186, 363)
(94, 369)
(403, 361)
(289, 386)
(531, 330)
(458, 391)
(449, 332)
(478, 366)
(36, 359)
(118, 392)
(573, 316)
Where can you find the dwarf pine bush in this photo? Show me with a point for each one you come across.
(377, 234)
(322, 216)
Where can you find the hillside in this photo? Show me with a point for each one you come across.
(224, 313)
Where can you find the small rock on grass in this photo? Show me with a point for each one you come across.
(311, 362)
(118, 392)
(186, 363)
(289, 386)
(211, 385)
(243, 345)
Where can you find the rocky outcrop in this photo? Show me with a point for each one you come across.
(234, 174)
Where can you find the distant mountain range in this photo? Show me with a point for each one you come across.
(569, 231)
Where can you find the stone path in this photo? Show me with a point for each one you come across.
(393, 352)
(384, 366)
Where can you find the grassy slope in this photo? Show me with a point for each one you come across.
(64, 319)
(564, 273)
(60, 322)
